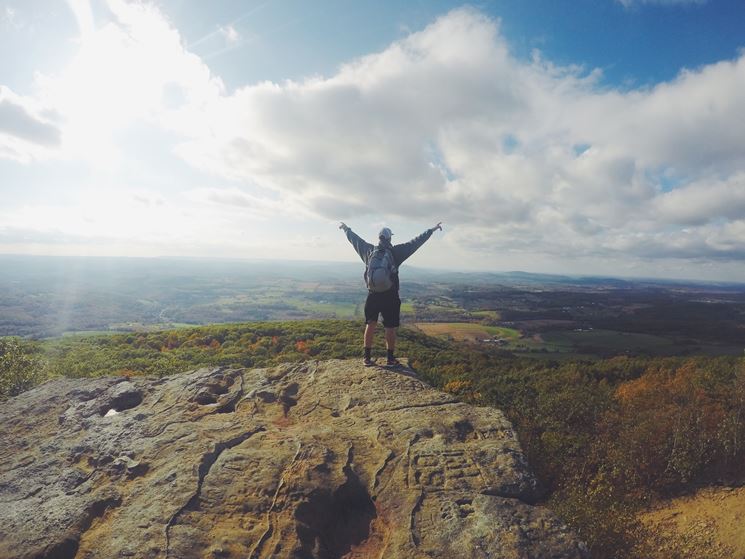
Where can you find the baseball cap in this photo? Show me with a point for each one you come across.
(385, 233)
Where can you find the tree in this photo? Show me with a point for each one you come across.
(20, 370)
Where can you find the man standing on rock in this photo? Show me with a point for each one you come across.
(381, 276)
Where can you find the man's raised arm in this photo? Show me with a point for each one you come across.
(403, 251)
(361, 246)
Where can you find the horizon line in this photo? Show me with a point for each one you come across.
(663, 279)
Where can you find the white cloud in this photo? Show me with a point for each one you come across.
(230, 34)
(26, 132)
(8, 17)
(703, 202)
(83, 16)
(633, 3)
(227, 199)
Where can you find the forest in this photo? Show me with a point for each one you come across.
(605, 436)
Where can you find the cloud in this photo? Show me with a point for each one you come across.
(119, 215)
(361, 136)
(240, 201)
(24, 236)
(230, 34)
(17, 121)
(634, 3)
(8, 18)
(148, 198)
(23, 129)
(703, 202)
(706, 243)
(83, 15)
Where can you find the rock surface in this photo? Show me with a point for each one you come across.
(327, 460)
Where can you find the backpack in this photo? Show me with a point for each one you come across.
(380, 270)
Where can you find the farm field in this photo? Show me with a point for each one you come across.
(139, 327)
(494, 315)
(327, 309)
(467, 331)
(611, 342)
(600, 341)
(407, 307)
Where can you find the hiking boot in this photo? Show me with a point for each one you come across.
(367, 362)
(393, 363)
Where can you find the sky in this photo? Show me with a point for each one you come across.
(602, 137)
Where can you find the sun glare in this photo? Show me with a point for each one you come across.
(123, 73)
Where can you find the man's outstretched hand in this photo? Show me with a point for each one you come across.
(438, 226)
(343, 226)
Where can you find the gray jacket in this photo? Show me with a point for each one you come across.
(400, 252)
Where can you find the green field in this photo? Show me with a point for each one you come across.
(611, 342)
(327, 309)
(135, 327)
(407, 307)
(85, 333)
(440, 309)
(467, 331)
(494, 315)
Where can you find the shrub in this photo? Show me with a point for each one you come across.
(20, 369)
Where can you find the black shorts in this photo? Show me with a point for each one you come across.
(388, 304)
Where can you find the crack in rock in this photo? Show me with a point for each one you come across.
(412, 518)
(208, 460)
(424, 405)
(269, 530)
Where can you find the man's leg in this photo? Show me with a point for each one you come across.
(368, 342)
(370, 335)
(371, 321)
(391, 320)
(390, 342)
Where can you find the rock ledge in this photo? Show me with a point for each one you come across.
(314, 460)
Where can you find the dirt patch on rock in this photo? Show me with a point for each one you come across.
(705, 525)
